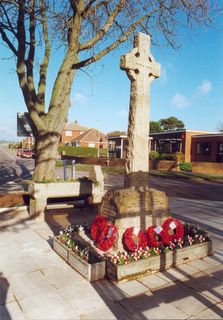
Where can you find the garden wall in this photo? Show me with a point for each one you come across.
(163, 165)
(207, 167)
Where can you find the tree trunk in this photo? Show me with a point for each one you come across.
(46, 156)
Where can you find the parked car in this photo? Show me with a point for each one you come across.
(27, 153)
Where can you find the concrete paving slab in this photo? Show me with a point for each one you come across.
(18, 265)
(183, 298)
(32, 283)
(153, 281)
(62, 275)
(47, 305)
(206, 284)
(109, 291)
(132, 288)
(114, 311)
(171, 275)
(152, 307)
(202, 264)
(214, 312)
(186, 269)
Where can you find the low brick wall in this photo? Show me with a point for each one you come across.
(163, 165)
(207, 167)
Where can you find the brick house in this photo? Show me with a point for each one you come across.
(71, 131)
(91, 138)
(196, 145)
(175, 141)
(207, 148)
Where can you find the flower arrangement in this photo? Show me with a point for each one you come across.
(174, 228)
(125, 257)
(157, 236)
(96, 227)
(133, 239)
(191, 235)
(85, 252)
(103, 233)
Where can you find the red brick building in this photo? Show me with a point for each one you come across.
(91, 138)
(71, 131)
(203, 146)
(175, 141)
(207, 148)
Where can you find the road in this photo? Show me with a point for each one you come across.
(13, 170)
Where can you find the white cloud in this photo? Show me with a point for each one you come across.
(180, 101)
(205, 87)
(122, 113)
(79, 98)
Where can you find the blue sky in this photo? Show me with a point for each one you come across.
(190, 87)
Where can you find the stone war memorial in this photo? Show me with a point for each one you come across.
(136, 204)
(133, 233)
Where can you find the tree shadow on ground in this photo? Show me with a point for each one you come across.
(11, 179)
(203, 292)
(4, 286)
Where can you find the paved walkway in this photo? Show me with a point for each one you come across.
(35, 283)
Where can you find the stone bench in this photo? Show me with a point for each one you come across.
(84, 189)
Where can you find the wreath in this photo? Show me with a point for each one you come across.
(107, 237)
(133, 239)
(157, 236)
(174, 228)
(97, 225)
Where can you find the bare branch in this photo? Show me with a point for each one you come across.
(106, 27)
(90, 11)
(45, 62)
(8, 42)
(31, 54)
(9, 27)
(114, 45)
(88, 7)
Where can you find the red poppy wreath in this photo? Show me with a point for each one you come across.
(97, 225)
(174, 228)
(107, 237)
(157, 236)
(133, 239)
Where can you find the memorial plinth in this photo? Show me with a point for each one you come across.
(134, 207)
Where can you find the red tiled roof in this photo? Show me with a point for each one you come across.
(90, 135)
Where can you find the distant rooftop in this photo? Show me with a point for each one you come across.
(75, 126)
(185, 130)
(90, 135)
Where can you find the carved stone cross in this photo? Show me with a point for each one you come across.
(141, 69)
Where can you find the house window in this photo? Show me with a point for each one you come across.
(91, 145)
(203, 148)
(111, 145)
(68, 133)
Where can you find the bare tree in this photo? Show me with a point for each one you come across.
(87, 30)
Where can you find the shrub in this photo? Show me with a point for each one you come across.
(186, 166)
(167, 156)
(179, 156)
(154, 155)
